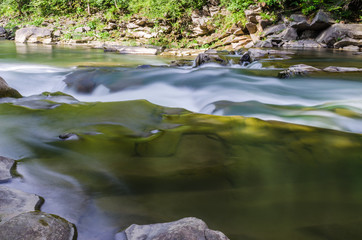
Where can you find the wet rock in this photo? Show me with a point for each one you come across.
(181, 63)
(37, 226)
(297, 70)
(184, 229)
(337, 32)
(203, 58)
(6, 91)
(259, 53)
(245, 59)
(69, 136)
(33, 35)
(14, 202)
(5, 166)
(342, 69)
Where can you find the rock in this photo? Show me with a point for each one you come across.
(57, 33)
(264, 44)
(252, 14)
(302, 44)
(184, 229)
(259, 53)
(203, 58)
(238, 32)
(299, 22)
(33, 35)
(14, 202)
(2, 32)
(69, 136)
(245, 59)
(79, 30)
(37, 226)
(342, 69)
(309, 34)
(252, 27)
(289, 34)
(87, 29)
(276, 29)
(138, 50)
(5, 166)
(337, 32)
(181, 63)
(6, 91)
(348, 42)
(351, 48)
(297, 18)
(297, 70)
(321, 21)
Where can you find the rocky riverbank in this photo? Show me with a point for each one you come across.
(294, 31)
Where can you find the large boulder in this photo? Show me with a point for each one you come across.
(185, 229)
(33, 35)
(321, 21)
(5, 165)
(14, 202)
(6, 91)
(338, 32)
(37, 226)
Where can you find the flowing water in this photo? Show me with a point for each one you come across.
(136, 161)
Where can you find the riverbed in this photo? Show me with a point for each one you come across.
(152, 143)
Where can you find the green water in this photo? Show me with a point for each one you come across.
(137, 162)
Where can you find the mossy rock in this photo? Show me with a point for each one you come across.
(6, 91)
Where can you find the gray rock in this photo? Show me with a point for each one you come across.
(289, 34)
(5, 166)
(2, 32)
(87, 29)
(276, 29)
(297, 18)
(309, 34)
(297, 70)
(351, 48)
(57, 33)
(6, 91)
(79, 30)
(337, 32)
(185, 229)
(252, 14)
(14, 202)
(138, 50)
(348, 42)
(259, 53)
(302, 44)
(342, 69)
(203, 58)
(321, 21)
(37, 226)
(33, 35)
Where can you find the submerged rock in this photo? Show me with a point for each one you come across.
(6, 91)
(203, 58)
(5, 165)
(37, 226)
(184, 229)
(14, 202)
(342, 69)
(297, 70)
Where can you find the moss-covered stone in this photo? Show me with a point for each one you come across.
(6, 91)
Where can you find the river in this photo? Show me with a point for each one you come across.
(135, 161)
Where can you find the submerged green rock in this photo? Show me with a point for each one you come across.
(6, 91)
(175, 163)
